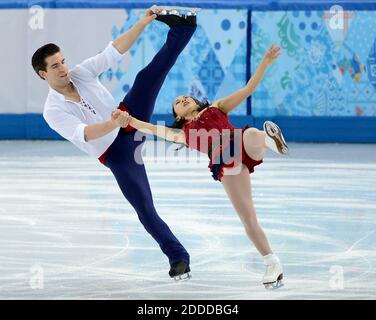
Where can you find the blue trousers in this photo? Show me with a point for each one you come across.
(120, 159)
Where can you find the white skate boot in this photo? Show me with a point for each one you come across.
(273, 276)
(274, 138)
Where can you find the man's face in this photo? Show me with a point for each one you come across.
(56, 70)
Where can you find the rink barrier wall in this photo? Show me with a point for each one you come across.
(297, 129)
(260, 5)
(347, 129)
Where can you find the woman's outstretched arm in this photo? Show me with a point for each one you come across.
(170, 134)
(233, 100)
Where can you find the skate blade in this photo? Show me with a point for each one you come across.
(170, 8)
(275, 133)
(273, 286)
(182, 277)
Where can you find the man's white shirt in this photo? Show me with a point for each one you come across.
(69, 118)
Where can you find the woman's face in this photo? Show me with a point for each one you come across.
(184, 106)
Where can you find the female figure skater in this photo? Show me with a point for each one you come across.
(206, 128)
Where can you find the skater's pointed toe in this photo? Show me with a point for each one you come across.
(274, 138)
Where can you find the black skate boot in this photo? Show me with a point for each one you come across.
(176, 16)
(180, 271)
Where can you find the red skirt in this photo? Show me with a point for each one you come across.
(217, 163)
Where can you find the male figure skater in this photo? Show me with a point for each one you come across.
(81, 110)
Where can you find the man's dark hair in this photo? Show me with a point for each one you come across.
(38, 60)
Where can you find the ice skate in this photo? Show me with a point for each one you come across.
(274, 138)
(174, 16)
(273, 276)
(180, 271)
(176, 10)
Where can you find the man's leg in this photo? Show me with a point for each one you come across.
(133, 182)
(141, 97)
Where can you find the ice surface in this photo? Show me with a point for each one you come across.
(66, 232)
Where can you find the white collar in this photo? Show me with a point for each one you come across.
(60, 95)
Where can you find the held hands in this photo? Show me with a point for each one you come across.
(271, 55)
(120, 118)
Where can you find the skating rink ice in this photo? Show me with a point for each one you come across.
(68, 233)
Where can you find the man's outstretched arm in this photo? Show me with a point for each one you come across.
(125, 41)
(98, 130)
(73, 129)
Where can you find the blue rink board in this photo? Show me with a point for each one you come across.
(237, 4)
(297, 128)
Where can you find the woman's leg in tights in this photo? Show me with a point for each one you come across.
(238, 189)
(254, 143)
(141, 97)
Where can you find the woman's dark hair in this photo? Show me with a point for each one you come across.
(38, 61)
(178, 124)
